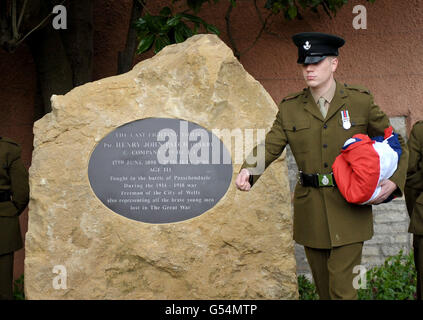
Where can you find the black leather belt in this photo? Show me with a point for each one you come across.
(4, 196)
(316, 180)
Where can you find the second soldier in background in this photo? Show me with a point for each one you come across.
(414, 198)
(14, 196)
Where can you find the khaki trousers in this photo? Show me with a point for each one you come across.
(332, 270)
(418, 261)
(6, 276)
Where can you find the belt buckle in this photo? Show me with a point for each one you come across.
(300, 177)
(325, 179)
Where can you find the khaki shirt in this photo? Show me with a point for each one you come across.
(328, 95)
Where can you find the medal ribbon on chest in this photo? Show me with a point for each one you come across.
(346, 121)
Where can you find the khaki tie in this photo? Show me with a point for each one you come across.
(322, 106)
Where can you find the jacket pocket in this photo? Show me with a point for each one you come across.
(416, 218)
(298, 136)
(301, 192)
(8, 209)
(357, 123)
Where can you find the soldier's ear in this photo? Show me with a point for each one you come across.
(334, 63)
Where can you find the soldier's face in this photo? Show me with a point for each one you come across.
(319, 74)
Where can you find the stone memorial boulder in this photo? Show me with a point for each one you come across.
(79, 245)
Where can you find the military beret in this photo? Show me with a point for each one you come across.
(315, 46)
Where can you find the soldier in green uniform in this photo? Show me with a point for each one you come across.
(414, 198)
(14, 197)
(316, 122)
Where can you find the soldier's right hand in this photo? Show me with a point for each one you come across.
(242, 181)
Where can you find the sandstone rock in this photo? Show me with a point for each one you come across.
(240, 249)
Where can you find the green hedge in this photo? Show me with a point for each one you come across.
(394, 280)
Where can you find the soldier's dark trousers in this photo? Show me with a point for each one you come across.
(332, 270)
(418, 260)
(6, 276)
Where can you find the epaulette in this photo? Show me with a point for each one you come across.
(292, 96)
(357, 88)
(3, 139)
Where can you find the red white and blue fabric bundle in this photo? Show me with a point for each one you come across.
(364, 163)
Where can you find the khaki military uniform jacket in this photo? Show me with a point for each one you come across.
(13, 178)
(322, 217)
(414, 183)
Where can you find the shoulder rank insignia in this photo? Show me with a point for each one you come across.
(292, 96)
(357, 88)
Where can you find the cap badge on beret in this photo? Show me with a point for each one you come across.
(307, 45)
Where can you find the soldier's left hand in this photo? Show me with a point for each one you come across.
(387, 188)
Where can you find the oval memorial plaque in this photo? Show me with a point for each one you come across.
(160, 170)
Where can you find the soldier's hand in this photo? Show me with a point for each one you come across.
(242, 181)
(387, 187)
